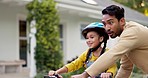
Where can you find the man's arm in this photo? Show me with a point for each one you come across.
(125, 68)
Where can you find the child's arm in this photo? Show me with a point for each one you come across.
(59, 71)
(62, 70)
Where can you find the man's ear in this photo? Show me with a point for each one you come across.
(122, 21)
(101, 39)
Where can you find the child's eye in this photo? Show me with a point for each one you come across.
(91, 37)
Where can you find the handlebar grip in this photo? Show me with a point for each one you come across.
(55, 76)
(100, 77)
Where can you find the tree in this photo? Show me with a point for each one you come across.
(139, 5)
(48, 53)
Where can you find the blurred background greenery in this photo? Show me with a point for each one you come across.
(139, 5)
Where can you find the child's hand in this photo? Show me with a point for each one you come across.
(106, 75)
(51, 73)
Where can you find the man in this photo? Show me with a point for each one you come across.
(132, 47)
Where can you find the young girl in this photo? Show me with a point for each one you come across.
(95, 35)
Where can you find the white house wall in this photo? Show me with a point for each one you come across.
(9, 32)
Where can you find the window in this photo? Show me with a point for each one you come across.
(23, 41)
(61, 30)
(61, 35)
(22, 28)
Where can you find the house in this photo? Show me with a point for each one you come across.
(74, 15)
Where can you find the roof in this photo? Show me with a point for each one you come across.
(78, 7)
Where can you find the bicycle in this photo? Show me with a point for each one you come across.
(55, 76)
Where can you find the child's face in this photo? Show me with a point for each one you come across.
(92, 39)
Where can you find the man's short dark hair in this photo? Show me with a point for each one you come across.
(114, 10)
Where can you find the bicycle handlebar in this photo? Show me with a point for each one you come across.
(55, 76)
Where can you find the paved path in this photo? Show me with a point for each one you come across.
(23, 74)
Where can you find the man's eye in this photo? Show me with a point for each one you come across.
(111, 22)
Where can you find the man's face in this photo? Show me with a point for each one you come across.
(113, 27)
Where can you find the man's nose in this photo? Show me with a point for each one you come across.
(107, 27)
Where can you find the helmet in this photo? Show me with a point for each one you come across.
(97, 27)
